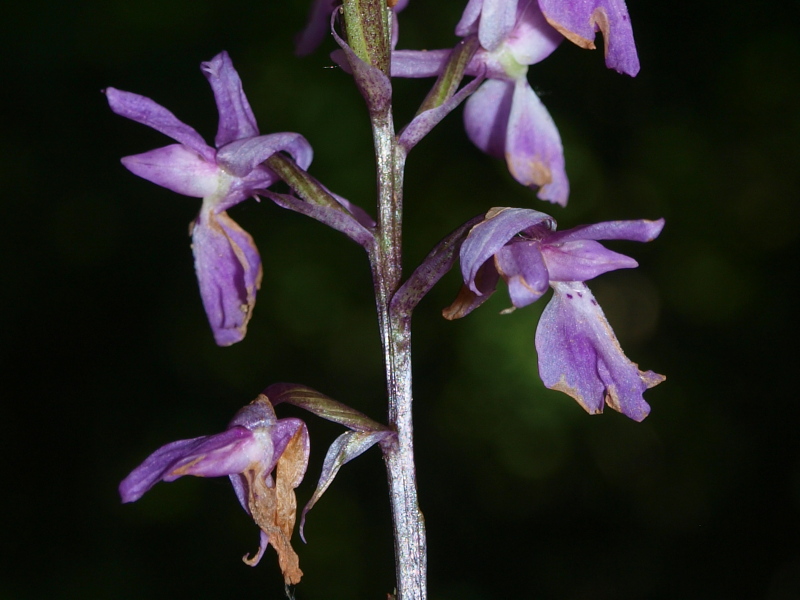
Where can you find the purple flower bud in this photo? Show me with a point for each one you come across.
(578, 351)
(227, 262)
(255, 444)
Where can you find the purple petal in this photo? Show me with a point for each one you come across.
(488, 237)
(497, 18)
(532, 39)
(243, 156)
(522, 266)
(640, 230)
(229, 273)
(533, 148)
(486, 116)
(580, 355)
(236, 119)
(231, 451)
(468, 24)
(578, 20)
(176, 168)
(257, 414)
(419, 63)
(239, 483)
(497, 21)
(145, 111)
(582, 260)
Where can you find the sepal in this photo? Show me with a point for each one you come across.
(148, 112)
(579, 20)
(236, 118)
(177, 168)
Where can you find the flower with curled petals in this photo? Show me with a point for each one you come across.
(226, 259)
(578, 351)
(255, 444)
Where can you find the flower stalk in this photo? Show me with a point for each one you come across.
(386, 263)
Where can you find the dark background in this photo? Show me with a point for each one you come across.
(108, 355)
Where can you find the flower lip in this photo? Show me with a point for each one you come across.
(580, 355)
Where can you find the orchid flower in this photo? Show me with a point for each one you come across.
(578, 351)
(504, 117)
(255, 444)
(226, 259)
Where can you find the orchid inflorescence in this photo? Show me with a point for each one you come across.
(266, 457)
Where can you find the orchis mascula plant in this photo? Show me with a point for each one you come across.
(266, 457)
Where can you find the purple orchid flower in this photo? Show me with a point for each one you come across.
(578, 351)
(505, 117)
(255, 443)
(226, 259)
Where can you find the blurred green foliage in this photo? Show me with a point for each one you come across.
(109, 356)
